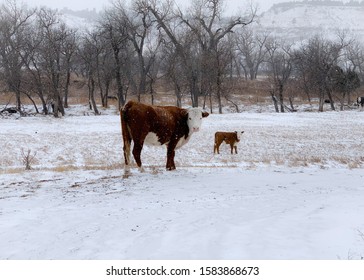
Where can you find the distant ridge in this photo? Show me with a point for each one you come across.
(291, 20)
(325, 3)
(90, 15)
(301, 19)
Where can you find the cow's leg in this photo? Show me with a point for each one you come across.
(236, 149)
(126, 140)
(170, 156)
(137, 150)
(126, 150)
(216, 144)
(170, 160)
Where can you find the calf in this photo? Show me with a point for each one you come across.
(360, 101)
(157, 125)
(231, 138)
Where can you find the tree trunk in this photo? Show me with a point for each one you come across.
(275, 101)
(329, 95)
(119, 83)
(321, 101)
(31, 99)
(18, 101)
(68, 78)
(92, 96)
(281, 101)
(218, 93)
(194, 90)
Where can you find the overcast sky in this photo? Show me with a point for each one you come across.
(232, 5)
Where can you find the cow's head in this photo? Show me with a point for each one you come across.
(238, 135)
(194, 118)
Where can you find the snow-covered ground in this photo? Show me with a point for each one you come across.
(294, 191)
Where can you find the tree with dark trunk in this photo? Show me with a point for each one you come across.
(14, 21)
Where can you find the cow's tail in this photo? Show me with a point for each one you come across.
(126, 134)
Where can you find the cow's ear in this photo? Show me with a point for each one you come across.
(205, 114)
(236, 132)
(185, 113)
(242, 132)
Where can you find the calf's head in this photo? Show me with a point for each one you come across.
(238, 135)
(194, 118)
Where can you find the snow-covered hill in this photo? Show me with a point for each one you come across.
(299, 20)
(289, 20)
(81, 20)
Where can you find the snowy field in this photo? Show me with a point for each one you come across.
(294, 191)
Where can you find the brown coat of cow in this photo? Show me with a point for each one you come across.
(157, 125)
(230, 138)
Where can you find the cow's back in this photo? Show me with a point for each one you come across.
(133, 116)
(139, 117)
(228, 137)
(135, 113)
(163, 121)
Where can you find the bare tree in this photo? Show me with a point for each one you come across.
(211, 31)
(174, 72)
(280, 65)
(165, 16)
(144, 43)
(35, 74)
(68, 51)
(53, 57)
(343, 82)
(201, 48)
(14, 21)
(90, 54)
(355, 55)
(314, 63)
(105, 72)
(251, 49)
(113, 29)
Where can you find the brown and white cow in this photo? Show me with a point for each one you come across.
(157, 125)
(230, 138)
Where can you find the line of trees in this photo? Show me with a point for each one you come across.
(196, 53)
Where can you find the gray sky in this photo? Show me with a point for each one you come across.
(232, 5)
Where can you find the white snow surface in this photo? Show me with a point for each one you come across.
(295, 190)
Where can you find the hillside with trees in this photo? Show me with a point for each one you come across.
(151, 50)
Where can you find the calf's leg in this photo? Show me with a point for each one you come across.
(217, 147)
(232, 148)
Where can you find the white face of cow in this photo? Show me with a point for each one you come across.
(194, 119)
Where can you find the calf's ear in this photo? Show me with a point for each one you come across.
(205, 114)
(242, 132)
